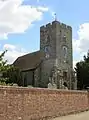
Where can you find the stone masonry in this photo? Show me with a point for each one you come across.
(53, 58)
(56, 42)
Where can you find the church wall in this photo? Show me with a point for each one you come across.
(61, 31)
(38, 104)
(46, 68)
(37, 76)
(64, 38)
(30, 77)
(52, 35)
(48, 39)
(27, 78)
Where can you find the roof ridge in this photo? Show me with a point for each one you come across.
(29, 53)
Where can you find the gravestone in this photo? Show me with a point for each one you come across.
(50, 85)
(54, 86)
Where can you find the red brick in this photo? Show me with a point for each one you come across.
(35, 104)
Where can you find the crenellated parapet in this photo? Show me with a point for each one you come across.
(55, 24)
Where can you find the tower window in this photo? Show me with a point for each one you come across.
(64, 74)
(64, 51)
(64, 38)
(46, 49)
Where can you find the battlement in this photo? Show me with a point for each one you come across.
(63, 25)
(48, 25)
(55, 23)
(69, 27)
(43, 27)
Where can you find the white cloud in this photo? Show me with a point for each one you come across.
(76, 44)
(44, 9)
(74, 63)
(9, 47)
(16, 17)
(81, 45)
(13, 52)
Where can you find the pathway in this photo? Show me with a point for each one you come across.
(80, 116)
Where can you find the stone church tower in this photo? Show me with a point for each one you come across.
(56, 42)
(52, 64)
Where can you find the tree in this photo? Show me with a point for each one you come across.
(3, 62)
(82, 70)
(13, 74)
(10, 74)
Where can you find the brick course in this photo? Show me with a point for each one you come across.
(36, 104)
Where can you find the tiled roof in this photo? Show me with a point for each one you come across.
(29, 61)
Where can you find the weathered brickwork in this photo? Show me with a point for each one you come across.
(36, 104)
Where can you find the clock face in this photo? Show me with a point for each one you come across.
(65, 52)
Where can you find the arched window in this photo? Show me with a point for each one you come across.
(64, 38)
(65, 51)
(46, 49)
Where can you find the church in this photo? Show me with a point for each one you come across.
(53, 62)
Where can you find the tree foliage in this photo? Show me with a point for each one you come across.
(10, 74)
(82, 70)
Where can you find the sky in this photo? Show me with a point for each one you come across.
(20, 22)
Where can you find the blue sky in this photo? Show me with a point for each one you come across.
(72, 12)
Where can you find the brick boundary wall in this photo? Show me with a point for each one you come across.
(38, 104)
